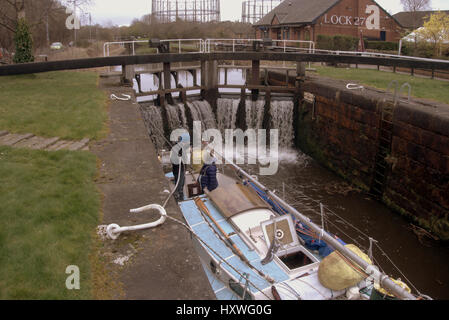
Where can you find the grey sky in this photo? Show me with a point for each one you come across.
(122, 12)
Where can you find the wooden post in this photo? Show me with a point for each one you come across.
(167, 82)
(203, 73)
(300, 74)
(226, 76)
(266, 123)
(241, 111)
(209, 81)
(255, 78)
(213, 74)
(183, 95)
(128, 74)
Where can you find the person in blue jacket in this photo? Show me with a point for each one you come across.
(208, 175)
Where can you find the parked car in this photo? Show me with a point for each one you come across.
(56, 46)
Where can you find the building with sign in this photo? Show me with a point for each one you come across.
(306, 19)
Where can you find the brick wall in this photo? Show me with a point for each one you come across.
(348, 17)
(340, 130)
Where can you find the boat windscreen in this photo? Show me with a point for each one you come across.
(233, 199)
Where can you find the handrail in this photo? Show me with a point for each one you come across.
(205, 47)
(106, 45)
(36, 67)
(236, 41)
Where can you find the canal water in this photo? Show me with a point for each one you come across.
(352, 215)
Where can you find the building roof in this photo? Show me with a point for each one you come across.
(406, 19)
(298, 11)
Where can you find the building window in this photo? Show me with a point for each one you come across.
(307, 35)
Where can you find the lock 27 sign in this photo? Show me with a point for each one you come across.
(371, 22)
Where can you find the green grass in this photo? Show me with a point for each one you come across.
(68, 105)
(49, 210)
(436, 90)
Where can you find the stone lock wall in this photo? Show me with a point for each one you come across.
(340, 128)
(419, 180)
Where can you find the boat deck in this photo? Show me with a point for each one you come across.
(304, 284)
(198, 223)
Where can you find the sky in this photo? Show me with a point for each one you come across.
(122, 12)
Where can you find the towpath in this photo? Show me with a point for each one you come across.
(157, 264)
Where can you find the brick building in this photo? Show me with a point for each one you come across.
(306, 19)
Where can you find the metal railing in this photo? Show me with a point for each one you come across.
(199, 43)
(209, 44)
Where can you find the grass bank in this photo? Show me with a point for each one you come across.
(49, 210)
(54, 104)
(436, 90)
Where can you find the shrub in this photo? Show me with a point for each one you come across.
(422, 49)
(337, 42)
(382, 45)
(24, 43)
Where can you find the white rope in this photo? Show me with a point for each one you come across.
(126, 97)
(354, 86)
(114, 230)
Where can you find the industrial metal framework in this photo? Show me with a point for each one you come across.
(165, 11)
(254, 10)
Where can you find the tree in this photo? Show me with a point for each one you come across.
(413, 6)
(436, 30)
(34, 12)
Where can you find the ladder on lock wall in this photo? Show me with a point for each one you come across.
(382, 165)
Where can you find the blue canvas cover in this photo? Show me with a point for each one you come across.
(304, 232)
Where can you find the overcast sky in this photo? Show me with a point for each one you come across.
(122, 12)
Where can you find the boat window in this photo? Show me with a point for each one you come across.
(296, 260)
